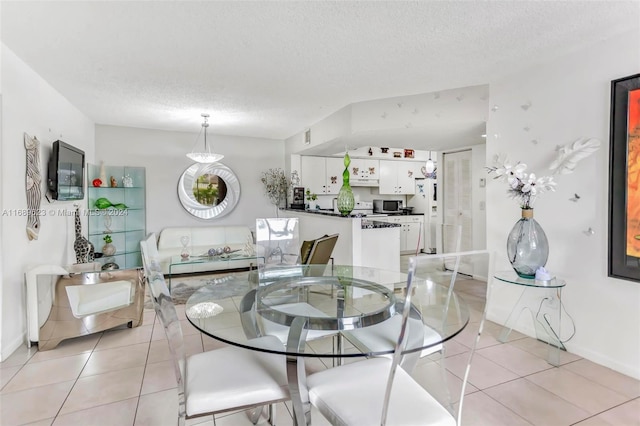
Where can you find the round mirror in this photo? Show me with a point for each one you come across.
(208, 191)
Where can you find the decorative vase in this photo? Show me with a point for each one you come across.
(103, 175)
(108, 249)
(346, 202)
(527, 246)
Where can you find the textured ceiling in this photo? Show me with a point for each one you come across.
(272, 69)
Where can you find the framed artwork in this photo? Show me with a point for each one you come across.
(624, 179)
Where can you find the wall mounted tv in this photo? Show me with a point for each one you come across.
(66, 172)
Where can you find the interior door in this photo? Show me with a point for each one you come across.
(457, 201)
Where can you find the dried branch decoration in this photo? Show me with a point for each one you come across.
(275, 185)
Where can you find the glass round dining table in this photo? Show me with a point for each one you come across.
(301, 304)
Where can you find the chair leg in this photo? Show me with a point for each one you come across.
(272, 415)
(254, 414)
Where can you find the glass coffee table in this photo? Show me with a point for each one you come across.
(179, 261)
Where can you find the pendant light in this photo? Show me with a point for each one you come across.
(430, 166)
(205, 156)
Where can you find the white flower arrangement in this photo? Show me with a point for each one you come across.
(524, 187)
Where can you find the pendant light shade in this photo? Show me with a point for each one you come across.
(430, 166)
(205, 156)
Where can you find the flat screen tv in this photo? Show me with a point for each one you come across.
(66, 172)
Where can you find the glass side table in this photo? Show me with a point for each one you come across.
(548, 310)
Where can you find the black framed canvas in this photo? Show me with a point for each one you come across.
(624, 179)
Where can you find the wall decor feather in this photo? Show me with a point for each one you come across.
(569, 155)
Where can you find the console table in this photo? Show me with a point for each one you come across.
(551, 299)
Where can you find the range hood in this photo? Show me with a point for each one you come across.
(363, 182)
(364, 172)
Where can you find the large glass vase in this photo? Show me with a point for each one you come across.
(346, 202)
(527, 246)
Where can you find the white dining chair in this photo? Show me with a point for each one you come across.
(220, 380)
(378, 390)
(277, 239)
(380, 336)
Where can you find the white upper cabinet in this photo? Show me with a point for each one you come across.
(364, 172)
(398, 177)
(322, 175)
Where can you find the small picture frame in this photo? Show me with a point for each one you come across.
(408, 153)
(384, 150)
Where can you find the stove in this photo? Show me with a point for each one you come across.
(361, 207)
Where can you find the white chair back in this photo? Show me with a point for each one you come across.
(346, 395)
(278, 240)
(166, 313)
(471, 268)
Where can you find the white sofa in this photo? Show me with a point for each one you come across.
(201, 239)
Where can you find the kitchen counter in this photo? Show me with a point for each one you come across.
(362, 241)
(324, 213)
(374, 224)
(352, 215)
(365, 223)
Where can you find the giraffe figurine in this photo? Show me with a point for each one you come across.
(85, 251)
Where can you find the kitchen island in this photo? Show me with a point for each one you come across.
(362, 242)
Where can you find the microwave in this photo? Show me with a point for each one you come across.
(387, 206)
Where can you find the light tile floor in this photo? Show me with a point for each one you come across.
(124, 377)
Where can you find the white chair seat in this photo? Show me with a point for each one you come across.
(235, 377)
(383, 336)
(353, 394)
(220, 380)
(298, 309)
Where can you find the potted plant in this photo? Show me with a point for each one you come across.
(311, 197)
(108, 249)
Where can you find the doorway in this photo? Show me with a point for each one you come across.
(457, 199)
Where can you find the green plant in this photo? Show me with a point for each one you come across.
(310, 195)
(107, 239)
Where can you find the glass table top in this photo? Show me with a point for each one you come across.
(179, 260)
(330, 300)
(513, 278)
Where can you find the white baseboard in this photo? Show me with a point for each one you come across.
(500, 316)
(12, 346)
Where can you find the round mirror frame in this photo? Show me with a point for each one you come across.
(188, 200)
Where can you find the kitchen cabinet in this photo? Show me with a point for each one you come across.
(322, 175)
(364, 172)
(398, 177)
(125, 226)
(411, 231)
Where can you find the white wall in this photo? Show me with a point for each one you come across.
(163, 155)
(31, 105)
(569, 100)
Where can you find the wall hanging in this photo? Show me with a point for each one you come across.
(33, 182)
(624, 179)
(208, 191)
